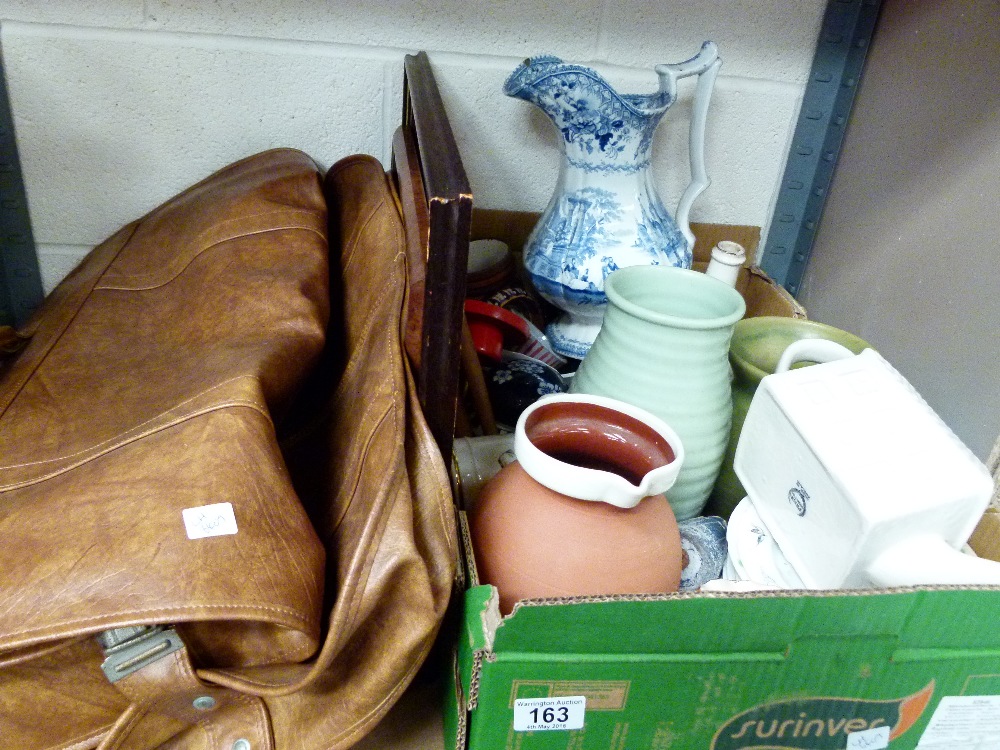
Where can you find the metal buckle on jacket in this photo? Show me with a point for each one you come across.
(127, 650)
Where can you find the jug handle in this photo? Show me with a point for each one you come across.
(812, 350)
(706, 66)
(927, 559)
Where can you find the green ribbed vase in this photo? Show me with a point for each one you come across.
(664, 346)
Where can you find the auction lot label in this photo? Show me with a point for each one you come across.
(549, 714)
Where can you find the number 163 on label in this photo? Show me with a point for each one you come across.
(548, 714)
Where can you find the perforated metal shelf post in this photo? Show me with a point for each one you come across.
(841, 48)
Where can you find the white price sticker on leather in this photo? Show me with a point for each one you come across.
(217, 519)
(549, 714)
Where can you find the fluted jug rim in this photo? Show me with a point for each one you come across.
(620, 287)
(533, 70)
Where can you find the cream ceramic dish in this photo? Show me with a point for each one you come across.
(858, 479)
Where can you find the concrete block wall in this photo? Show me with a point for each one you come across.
(119, 104)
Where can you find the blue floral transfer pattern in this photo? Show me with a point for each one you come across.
(602, 130)
(542, 387)
(568, 258)
(566, 244)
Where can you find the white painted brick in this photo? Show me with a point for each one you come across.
(517, 27)
(110, 124)
(392, 97)
(55, 261)
(769, 39)
(764, 38)
(125, 13)
(512, 152)
(746, 140)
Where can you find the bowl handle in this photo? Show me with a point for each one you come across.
(812, 350)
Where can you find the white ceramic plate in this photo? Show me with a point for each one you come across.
(755, 554)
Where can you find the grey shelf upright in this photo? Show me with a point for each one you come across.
(841, 49)
(20, 278)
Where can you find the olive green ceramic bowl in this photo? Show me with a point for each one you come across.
(758, 343)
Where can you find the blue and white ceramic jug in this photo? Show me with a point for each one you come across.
(605, 212)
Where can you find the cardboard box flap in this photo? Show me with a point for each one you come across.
(754, 624)
(985, 539)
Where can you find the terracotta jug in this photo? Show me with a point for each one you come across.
(581, 512)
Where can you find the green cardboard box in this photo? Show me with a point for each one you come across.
(903, 669)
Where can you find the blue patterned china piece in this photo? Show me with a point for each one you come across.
(518, 382)
(605, 212)
(703, 540)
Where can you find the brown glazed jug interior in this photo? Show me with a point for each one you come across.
(592, 436)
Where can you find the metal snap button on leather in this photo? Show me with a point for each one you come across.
(204, 703)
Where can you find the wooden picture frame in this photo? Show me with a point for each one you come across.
(436, 203)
